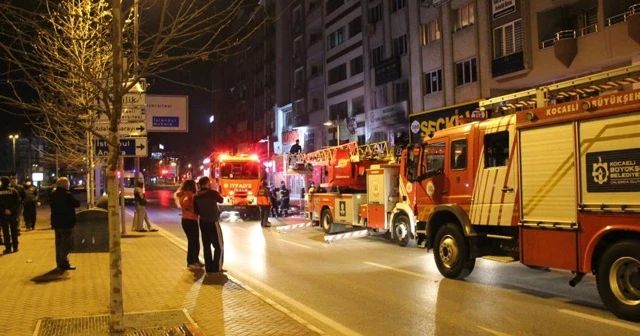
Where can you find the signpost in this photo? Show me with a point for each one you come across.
(129, 129)
(129, 147)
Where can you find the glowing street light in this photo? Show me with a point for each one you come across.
(13, 138)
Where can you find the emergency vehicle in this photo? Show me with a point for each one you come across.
(237, 178)
(557, 186)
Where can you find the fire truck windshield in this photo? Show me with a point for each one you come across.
(240, 170)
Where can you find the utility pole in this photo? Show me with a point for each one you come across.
(136, 38)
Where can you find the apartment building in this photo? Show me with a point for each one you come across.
(474, 49)
(244, 85)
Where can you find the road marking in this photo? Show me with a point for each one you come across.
(419, 275)
(273, 292)
(497, 333)
(614, 323)
(296, 244)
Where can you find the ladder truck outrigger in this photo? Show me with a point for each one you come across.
(554, 183)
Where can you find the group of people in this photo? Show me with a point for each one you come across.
(16, 200)
(200, 218)
(279, 199)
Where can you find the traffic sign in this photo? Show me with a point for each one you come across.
(135, 114)
(124, 129)
(129, 147)
(135, 99)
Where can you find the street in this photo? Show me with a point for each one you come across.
(369, 286)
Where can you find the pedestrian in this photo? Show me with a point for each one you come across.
(63, 219)
(205, 205)
(296, 148)
(284, 200)
(30, 202)
(264, 203)
(140, 216)
(14, 184)
(184, 200)
(273, 197)
(9, 205)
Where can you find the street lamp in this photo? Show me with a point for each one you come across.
(267, 140)
(13, 138)
(337, 126)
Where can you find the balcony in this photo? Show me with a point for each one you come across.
(622, 17)
(507, 64)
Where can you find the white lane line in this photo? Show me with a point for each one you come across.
(273, 292)
(497, 333)
(419, 275)
(614, 323)
(296, 244)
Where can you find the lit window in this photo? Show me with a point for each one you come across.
(464, 16)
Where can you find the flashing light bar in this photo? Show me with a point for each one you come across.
(206, 161)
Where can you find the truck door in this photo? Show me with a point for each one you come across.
(458, 170)
(495, 189)
(433, 184)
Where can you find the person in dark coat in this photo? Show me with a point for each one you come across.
(205, 205)
(63, 219)
(274, 201)
(30, 202)
(15, 185)
(284, 200)
(9, 207)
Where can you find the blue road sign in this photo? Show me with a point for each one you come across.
(165, 121)
(129, 147)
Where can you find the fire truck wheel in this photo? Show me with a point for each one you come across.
(451, 253)
(326, 220)
(401, 230)
(618, 279)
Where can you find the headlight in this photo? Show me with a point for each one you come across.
(250, 193)
(231, 192)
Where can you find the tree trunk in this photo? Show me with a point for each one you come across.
(116, 323)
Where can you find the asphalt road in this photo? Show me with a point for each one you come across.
(369, 286)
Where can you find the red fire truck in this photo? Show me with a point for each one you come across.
(237, 178)
(556, 186)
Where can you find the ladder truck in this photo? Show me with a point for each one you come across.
(553, 183)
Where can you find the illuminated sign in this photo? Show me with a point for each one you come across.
(425, 123)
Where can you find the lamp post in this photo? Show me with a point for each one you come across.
(13, 138)
(267, 140)
(337, 125)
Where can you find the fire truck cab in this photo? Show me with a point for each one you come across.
(237, 178)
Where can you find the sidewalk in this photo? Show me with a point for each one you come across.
(154, 279)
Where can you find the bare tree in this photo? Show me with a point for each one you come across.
(65, 65)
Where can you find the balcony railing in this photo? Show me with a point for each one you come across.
(569, 34)
(622, 17)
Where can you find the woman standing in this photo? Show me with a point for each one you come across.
(184, 200)
(140, 216)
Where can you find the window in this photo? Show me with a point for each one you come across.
(338, 74)
(297, 15)
(434, 157)
(336, 38)
(397, 5)
(316, 70)
(401, 91)
(507, 39)
(338, 110)
(332, 5)
(355, 26)
(315, 104)
(430, 32)
(356, 65)
(309, 142)
(357, 106)
(377, 55)
(496, 149)
(459, 154)
(464, 16)
(297, 46)
(466, 72)
(400, 45)
(380, 98)
(375, 14)
(298, 77)
(432, 81)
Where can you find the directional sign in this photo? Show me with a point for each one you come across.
(135, 114)
(124, 129)
(129, 147)
(135, 99)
